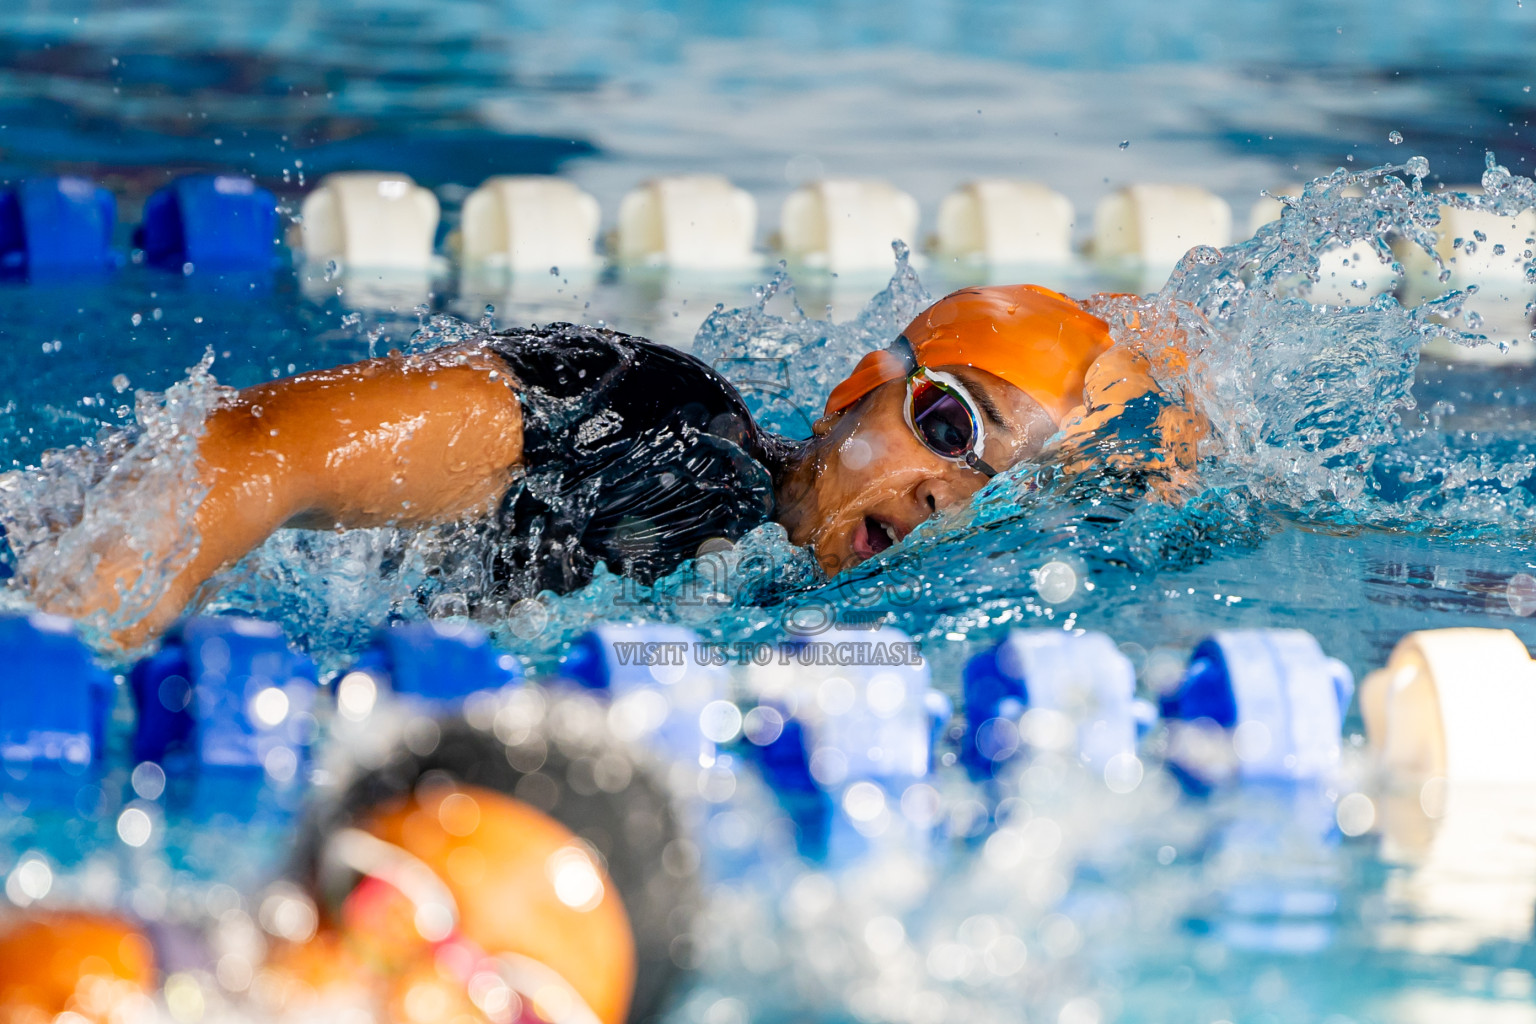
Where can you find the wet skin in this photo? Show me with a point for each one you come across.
(867, 481)
(397, 441)
(436, 437)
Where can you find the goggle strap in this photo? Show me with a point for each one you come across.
(979, 465)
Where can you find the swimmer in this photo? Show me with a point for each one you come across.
(441, 905)
(572, 446)
(418, 896)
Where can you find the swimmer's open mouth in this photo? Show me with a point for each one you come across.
(873, 536)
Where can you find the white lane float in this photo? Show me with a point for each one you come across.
(872, 720)
(1482, 248)
(692, 222)
(370, 220)
(529, 224)
(1449, 722)
(844, 723)
(846, 225)
(664, 692)
(369, 239)
(1152, 226)
(1005, 222)
(1458, 704)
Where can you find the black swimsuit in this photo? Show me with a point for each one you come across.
(634, 455)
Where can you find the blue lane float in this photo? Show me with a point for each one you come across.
(215, 221)
(230, 693)
(1083, 676)
(432, 666)
(226, 693)
(56, 225)
(841, 745)
(666, 694)
(1287, 900)
(1278, 697)
(54, 710)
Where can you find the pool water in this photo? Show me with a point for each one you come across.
(1359, 493)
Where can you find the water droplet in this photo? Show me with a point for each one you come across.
(134, 827)
(1417, 166)
(120, 383)
(554, 271)
(1395, 137)
(1125, 143)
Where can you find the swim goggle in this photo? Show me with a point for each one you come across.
(944, 416)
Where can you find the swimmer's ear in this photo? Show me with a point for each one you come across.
(823, 426)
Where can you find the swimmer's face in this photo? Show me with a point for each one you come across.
(872, 481)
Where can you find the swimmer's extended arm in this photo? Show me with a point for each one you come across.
(402, 440)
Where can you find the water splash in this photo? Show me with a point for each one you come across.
(114, 507)
(1312, 407)
(785, 363)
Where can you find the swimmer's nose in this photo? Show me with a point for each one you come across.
(934, 494)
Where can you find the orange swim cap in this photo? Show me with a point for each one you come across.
(1038, 340)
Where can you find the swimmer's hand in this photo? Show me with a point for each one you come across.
(1120, 377)
(402, 440)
